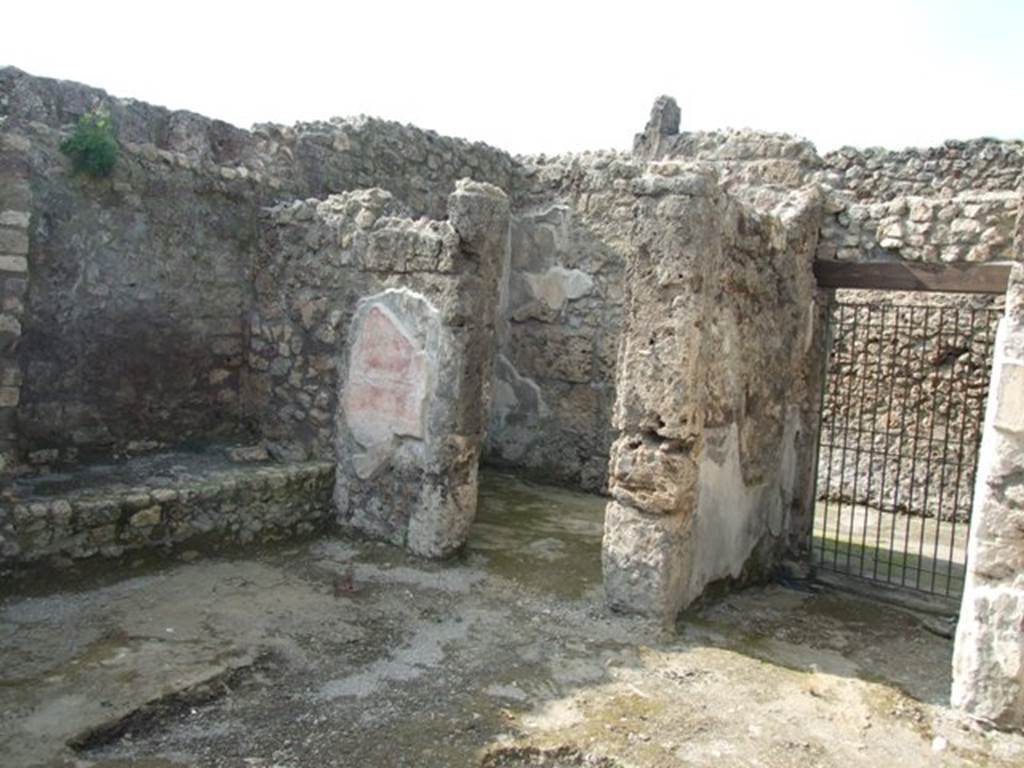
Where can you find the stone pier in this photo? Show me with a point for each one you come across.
(988, 663)
(716, 382)
(418, 362)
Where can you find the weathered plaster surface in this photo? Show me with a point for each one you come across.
(716, 388)
(390, 374)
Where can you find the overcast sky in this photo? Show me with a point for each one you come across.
(553, 76)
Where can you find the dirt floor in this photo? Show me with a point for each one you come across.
(350, 653)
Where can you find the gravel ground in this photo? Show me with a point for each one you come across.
(341, 652)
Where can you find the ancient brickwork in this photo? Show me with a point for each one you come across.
(988, 662)
(226, 502)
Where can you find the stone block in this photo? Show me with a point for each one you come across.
(988, 658)
(16, 219)
(653, 476)
(43, 456)
(988, 676)
(10, 324)
(13, 263)
(13, 142)
(1009, 399)
(644, 561)
(147, 517)
(13, 242)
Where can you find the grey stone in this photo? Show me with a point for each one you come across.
(700, 481)
(13, 264)
(249, 453)
(13, 242)
(417, 379)
(988, 659)
(19, 219)
(643, 560)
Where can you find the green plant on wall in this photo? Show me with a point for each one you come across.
(92, 147)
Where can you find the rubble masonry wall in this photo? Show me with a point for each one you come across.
(372, 342)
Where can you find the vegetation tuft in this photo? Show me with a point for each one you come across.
(92, 147)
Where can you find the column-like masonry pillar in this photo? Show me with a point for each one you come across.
(653, 468)
(714, 390)
(15, 214)
(988, 660)
(418, 370)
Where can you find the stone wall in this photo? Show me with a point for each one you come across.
(717, 389)
(988, 661)
(122, 328)
(131, 334)
(372, 340)
(955, 168)
(15, 221)
(971, 227)
(902, 412)
(646, 322)
(226, 503)
(740, 157)
(562, 317)
(134, 327)
(309, 274)
(959, 203)
(310, 159)
(418, 167)
(956, 203)
(573, 220)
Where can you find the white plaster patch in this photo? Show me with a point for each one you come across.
(559, 285)
(730, 518)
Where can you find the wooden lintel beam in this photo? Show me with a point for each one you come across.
(913, 276)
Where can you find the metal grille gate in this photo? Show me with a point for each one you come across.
(902, 412)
